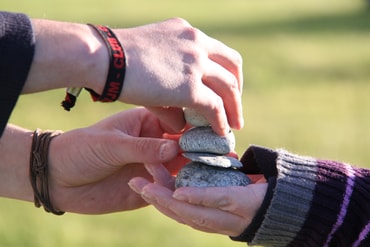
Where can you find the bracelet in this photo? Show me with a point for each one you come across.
(117, 66)
(116, 72)
(39, 169)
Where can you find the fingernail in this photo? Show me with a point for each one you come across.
(178, 196)
(241, 123)
(149, 168)
(146, 196)
(133, 187)
(167, 150)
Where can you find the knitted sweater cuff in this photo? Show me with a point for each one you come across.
(259, 160)
(316, 203)
(291, 187)
(17, 46)
(291, 202)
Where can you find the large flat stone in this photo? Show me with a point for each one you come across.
(197, 174)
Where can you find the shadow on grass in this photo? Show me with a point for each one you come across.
(336, 23)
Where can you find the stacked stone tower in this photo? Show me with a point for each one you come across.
(209, 166)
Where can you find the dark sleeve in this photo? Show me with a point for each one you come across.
(17, 46)
(315, 203)
(259, 160)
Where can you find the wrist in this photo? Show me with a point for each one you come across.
(15, 146)
(117, 66)
(39, 169)
(249, 233)
(98, 71)
(115, 75)
(66, 55)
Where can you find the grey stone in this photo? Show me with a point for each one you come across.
(194, 118)
(214, 160)
(197, 174)
(205, 140)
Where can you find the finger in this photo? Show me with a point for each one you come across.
(161, 175)
(228, 58)
(213, 197)
(174, 137)
(224, 84)
(198, 217)
(172, 118)
(211, 220)
(164, 210)
(137, 184)
(165, 196)
(148, 150)
(233, 154)
(242, 201)
(257, 178)
(215, 222)
(174, 165)
(211, 106)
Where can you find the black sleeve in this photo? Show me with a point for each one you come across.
(17, 45)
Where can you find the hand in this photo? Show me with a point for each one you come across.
(223, 210)
(90, 167)
(171, 65)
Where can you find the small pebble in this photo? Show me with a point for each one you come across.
(194, 118)
(197, 174)
(205, 140)
(214, 160)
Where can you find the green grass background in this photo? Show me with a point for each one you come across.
(306, 88)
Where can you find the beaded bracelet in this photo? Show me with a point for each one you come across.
(116, 71)
(39, 172)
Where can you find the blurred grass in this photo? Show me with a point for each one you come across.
(307, 74)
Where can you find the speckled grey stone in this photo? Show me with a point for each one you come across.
(197, 174)
(194, 118)
(205, 140)
(214, 160)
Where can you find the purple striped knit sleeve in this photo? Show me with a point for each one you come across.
(316, 203)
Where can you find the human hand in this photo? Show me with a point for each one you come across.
(89, 168)
(223, 210)
(171, 65)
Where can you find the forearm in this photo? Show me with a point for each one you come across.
(66, 55)
(15, 147)
(38, 55)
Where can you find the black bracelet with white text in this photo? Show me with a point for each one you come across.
(116, 71)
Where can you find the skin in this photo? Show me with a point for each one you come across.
(170, 65)
(91, 176)
(223, 210)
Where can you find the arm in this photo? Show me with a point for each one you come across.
(192, 66)
(91, 175)
(316, 202)
(15, 147)
(307, 202)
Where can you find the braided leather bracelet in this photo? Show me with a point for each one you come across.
(39, 174)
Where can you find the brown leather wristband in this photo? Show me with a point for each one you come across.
(39, 174)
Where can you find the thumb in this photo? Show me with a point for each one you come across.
(172, 118)
(150, 150)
